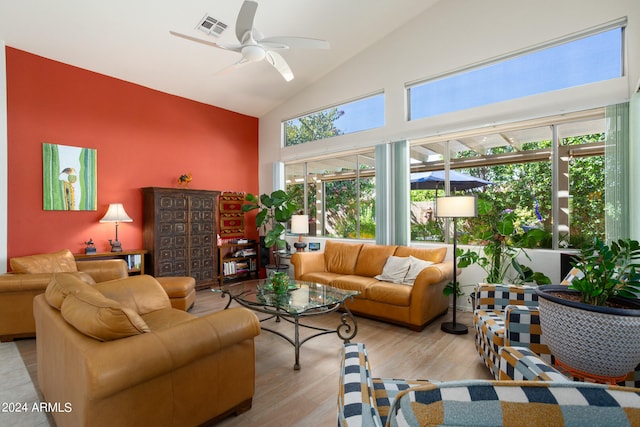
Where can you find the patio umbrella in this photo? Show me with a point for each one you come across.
(435, 180)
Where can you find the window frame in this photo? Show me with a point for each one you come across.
(378, 96)
(357, 175)
(619, 24)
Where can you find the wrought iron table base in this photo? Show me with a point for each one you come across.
(346, 330)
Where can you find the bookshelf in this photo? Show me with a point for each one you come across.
(238, 261)
(134, 259)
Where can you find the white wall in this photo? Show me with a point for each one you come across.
(451, 35)
(3, 160)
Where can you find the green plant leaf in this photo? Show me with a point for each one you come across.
(505, 226)
(282, 215)
(533, 238)
(249, 207)
(270, 239)
(266, 201)
(278, 228)
(541, 279)
(608, 271)
(485, 207)
(279, 197)
(261, 217)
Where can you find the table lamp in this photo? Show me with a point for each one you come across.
(117, 214)
(455, 207)
(300, 226)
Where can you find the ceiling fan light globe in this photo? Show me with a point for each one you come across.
(253, 53)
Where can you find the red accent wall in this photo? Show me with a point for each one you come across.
(143, 138)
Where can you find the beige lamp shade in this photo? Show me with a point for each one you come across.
(300, 224)
(116, 213)
(457, 207)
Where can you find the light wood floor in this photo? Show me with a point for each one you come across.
(308, 397)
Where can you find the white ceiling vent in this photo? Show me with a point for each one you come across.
(211, 26)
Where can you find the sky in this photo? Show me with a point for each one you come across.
(587, 60)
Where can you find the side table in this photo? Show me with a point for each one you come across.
(285, 259)
(134, 259)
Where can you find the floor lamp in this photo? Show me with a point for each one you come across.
(455, 207)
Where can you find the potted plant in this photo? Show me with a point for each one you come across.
(279, 282)
(274, 211)
(502, 242)
(593, 324)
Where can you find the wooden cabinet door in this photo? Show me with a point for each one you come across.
(180, 227)
(171, 234)
(202, 222)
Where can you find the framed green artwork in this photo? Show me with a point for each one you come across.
(69, 178)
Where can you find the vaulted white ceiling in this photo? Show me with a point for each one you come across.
(130, 40)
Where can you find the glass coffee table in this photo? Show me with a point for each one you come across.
(304, 299)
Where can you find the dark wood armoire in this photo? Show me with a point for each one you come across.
(179, 231)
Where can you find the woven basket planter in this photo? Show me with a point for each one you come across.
(598, 340)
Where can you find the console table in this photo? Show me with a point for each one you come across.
(134, 259)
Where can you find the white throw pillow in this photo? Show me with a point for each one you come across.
(395, 269)
(416, 265)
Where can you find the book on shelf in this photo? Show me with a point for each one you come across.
(134, 261)
(228, 268)
(245, 252)
(232, 267)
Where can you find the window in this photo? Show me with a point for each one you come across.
(337, 193)
(560, 66)
(549, 171)
(581, 215)
(363, 114)
(512, 169)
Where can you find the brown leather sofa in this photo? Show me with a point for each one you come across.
(30, 276)
(117, 353)
(354, 266)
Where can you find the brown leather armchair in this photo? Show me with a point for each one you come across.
(30, 276)
(117, 353)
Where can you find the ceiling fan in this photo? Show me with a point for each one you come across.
(254, 47)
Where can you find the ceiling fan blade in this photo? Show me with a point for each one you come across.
(234, 48)
(229, 68)
(244, 23)
(284, 42)
(280, 64)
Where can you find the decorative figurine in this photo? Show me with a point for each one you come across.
(91, 247)
(184, 180)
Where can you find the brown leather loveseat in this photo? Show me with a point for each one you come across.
(411, 302)
(30, 276)
(118, 354)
